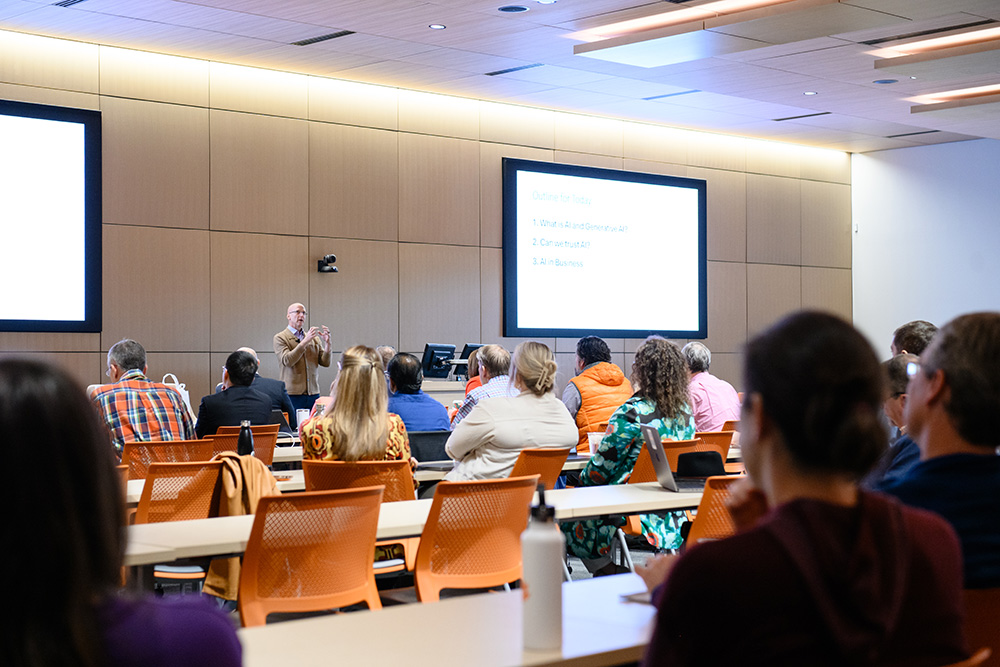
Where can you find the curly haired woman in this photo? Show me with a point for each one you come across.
(660, 377)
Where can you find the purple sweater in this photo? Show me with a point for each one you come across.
(181, 632)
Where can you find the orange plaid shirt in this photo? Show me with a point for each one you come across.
(136, 409)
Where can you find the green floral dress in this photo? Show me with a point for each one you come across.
(612, 463)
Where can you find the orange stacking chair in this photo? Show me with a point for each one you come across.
(139, 455)
(547, 463)
(472, 538)
(395, 476)
(713, 521)
(310, 552)
(731, 425)
(674, 448)
(180, 492)
(265, 437)
(724, 439)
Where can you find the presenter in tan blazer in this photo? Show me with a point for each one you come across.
(300, 354)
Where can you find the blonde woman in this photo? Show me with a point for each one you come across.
(356, 425)
(486, 443)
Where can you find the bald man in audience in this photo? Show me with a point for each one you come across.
(953, 398)
(238, 401)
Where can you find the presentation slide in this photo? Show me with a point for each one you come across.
(43, 223)
(601, 254)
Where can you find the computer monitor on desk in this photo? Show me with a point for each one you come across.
(437, 360)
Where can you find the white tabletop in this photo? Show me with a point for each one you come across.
(598, 629)
(228, 535)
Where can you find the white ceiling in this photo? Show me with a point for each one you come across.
(741, 92)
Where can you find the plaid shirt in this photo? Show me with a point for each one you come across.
(136, 409)
(497, 386)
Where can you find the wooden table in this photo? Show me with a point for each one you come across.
(599, 629)
(164, 542)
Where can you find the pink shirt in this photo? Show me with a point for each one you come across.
(714, 402)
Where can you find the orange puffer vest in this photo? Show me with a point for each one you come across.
(603, 388)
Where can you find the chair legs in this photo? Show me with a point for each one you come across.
(626, 555)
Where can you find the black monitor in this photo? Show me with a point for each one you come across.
(436, 361)
(467, 350)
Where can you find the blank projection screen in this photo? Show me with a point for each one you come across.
(602, 252)
(50, 218)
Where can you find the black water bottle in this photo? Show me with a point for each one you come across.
(244, 444)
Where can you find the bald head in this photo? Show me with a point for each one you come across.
(297, 316)
(252, 352)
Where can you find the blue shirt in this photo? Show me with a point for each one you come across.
(419, 411)
(965, 490)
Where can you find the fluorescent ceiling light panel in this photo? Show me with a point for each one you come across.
(719, 28)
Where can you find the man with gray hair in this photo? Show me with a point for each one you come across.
(494, 364)
(713, 401)
(135, 409)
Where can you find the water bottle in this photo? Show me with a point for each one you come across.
(244, 444)
(543, 549)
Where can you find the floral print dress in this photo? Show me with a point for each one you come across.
(612, 463)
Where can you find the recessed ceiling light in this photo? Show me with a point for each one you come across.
(810, 92)
(437, 26)
(913, 77)
(512, 9)
(885, 82)
(546, 2)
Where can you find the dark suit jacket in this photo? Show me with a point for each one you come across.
(230, 407)
(275, 389)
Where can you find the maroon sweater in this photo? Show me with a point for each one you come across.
(818, 584)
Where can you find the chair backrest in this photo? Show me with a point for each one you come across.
(309, 552)
(179, 492)
(428, 445)
(139, 455)
(472, 538)
(731, 425)
(713, 521)
(547, 463)
(643, 470)
(674, 448)
(395, 476)
(982, 620)
(265, 437)
(720, 439)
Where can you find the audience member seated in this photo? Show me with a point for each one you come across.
(660, 377)
(494, 364)
(487, 442)
(952, 402)
(356, 425)
(70, 512)
(713, 400)
(472, 372)
(418, 411)
(819, 573)
(238, 402)
(386, 352)
(903, 452)
(135, 409)
(598, 389)
(275, 389)
(912, 337)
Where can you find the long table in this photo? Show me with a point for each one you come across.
(294, 480)
(153, 543)
(599, 630)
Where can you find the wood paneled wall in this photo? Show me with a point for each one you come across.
(223, 185)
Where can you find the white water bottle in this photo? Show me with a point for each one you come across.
(542, 551)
